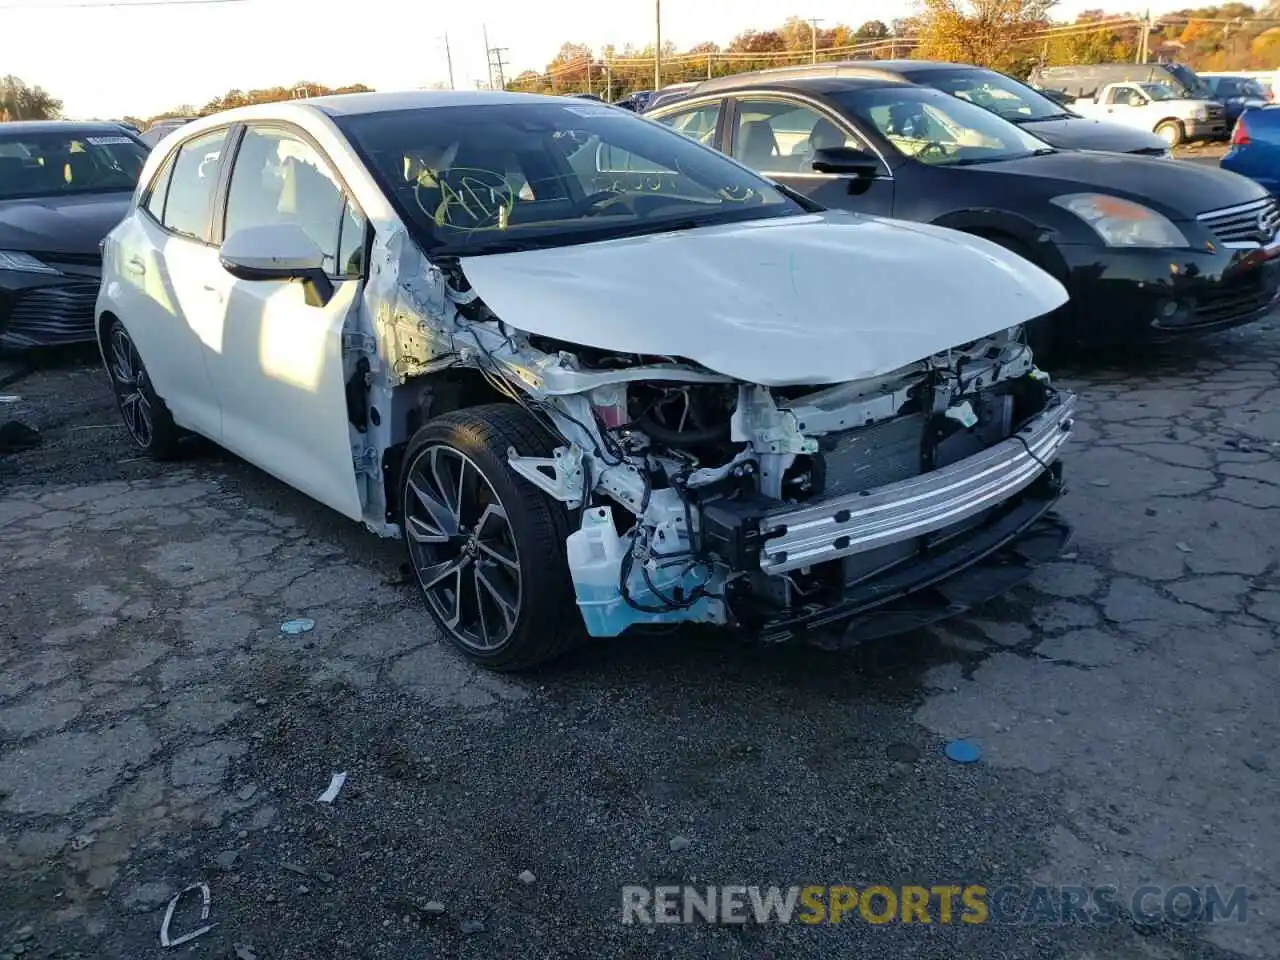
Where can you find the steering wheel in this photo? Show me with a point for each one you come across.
(932, 145)
(593, 203)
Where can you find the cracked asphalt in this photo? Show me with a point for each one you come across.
(158, 729)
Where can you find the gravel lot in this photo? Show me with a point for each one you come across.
(157, 728)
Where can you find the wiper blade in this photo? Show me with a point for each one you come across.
(1052, 116)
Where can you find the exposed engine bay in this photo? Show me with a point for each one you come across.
(702, 498)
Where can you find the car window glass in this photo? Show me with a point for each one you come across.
(697, 124)
(351, 242)
(1000, 94)
(279, 178)
(51, 164)
(160, 191)
(503, 175)
(195, 177)
(779, 137)
(938, 129)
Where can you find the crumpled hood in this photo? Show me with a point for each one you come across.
(807, 299)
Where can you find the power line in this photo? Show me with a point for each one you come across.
(107, 4)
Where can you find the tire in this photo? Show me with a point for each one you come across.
(1171, 132)
(145, 414)
(1044, 340)
(491, 563)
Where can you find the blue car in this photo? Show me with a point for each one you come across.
(1236, 94)
(1255, 147)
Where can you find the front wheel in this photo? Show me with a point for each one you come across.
(487, 547)
(1171, 132)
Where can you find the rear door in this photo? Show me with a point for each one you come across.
(163, 254)
(778, 135)
(281, 371)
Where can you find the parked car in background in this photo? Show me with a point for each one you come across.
(1255, 148)
(567, 353)
(1236, 94)
(1002, 95)
(672, 91)
(1146, 247)
(63, 185)
(1156, 107)
(162, 128)
(1265, 79)
(1085, 79)
(635, 101)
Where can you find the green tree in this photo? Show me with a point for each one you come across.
(21, 102)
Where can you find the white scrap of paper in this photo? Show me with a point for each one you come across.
(963, 414)
(335, 785)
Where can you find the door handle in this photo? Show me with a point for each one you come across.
(135, 265)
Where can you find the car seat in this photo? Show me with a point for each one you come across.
(758, 147)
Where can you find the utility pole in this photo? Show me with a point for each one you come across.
(813, 35)
(657, 49)
(1144, 39)
(499, 62)
(488, 54)
(608, 79)
(449, 60)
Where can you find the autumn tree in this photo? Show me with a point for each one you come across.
(21, 102)
(990, 33)
(872, 30)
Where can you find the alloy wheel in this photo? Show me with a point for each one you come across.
(462, 547)
(132, 387)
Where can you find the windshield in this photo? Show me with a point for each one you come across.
(938, 129)
(507, 176)
(54, 164)
(1157, 91)
(993, 91)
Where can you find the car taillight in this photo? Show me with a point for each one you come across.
(1240, 134)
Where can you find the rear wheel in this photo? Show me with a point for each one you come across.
(487, 547)
(1171, 132)
(145, 415)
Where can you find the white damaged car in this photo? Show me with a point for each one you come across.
(595, 374)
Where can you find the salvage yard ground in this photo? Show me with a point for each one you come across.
(157, 728)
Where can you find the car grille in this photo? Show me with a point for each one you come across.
(1244, 226)
(1214, 111)
(49, 316)
(1227, 301)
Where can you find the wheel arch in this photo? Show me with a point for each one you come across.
(424, 398)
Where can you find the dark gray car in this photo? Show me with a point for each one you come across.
(1002, 95)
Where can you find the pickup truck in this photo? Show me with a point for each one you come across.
(1155, 107)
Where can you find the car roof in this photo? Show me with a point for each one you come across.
(355, 104)
(828, 77)
(19, 127)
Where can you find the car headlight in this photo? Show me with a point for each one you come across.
(23, 263)
(1122, 223)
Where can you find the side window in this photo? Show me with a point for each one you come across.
(778, 137)
(195, 177)
(697, 124)
(351, 242)
(279, 178)
(159, 191)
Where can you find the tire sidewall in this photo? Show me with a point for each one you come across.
(534, 568)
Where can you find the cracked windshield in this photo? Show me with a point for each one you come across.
(496, 178)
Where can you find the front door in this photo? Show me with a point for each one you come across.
(778, 137)
(279, 367)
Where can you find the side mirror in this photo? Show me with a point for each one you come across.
(847, 160)
(278, 251)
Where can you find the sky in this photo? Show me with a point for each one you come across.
(107, 61)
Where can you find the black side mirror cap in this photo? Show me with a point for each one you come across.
(846, 160)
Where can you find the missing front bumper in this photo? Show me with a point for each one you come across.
(978, 567)
(839, 527)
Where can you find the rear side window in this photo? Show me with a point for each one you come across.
(191, 189)
(159, 191)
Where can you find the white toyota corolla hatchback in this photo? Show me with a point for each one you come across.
(595, 374)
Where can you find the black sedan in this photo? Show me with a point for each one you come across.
(1147, 248)
(63, 186)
